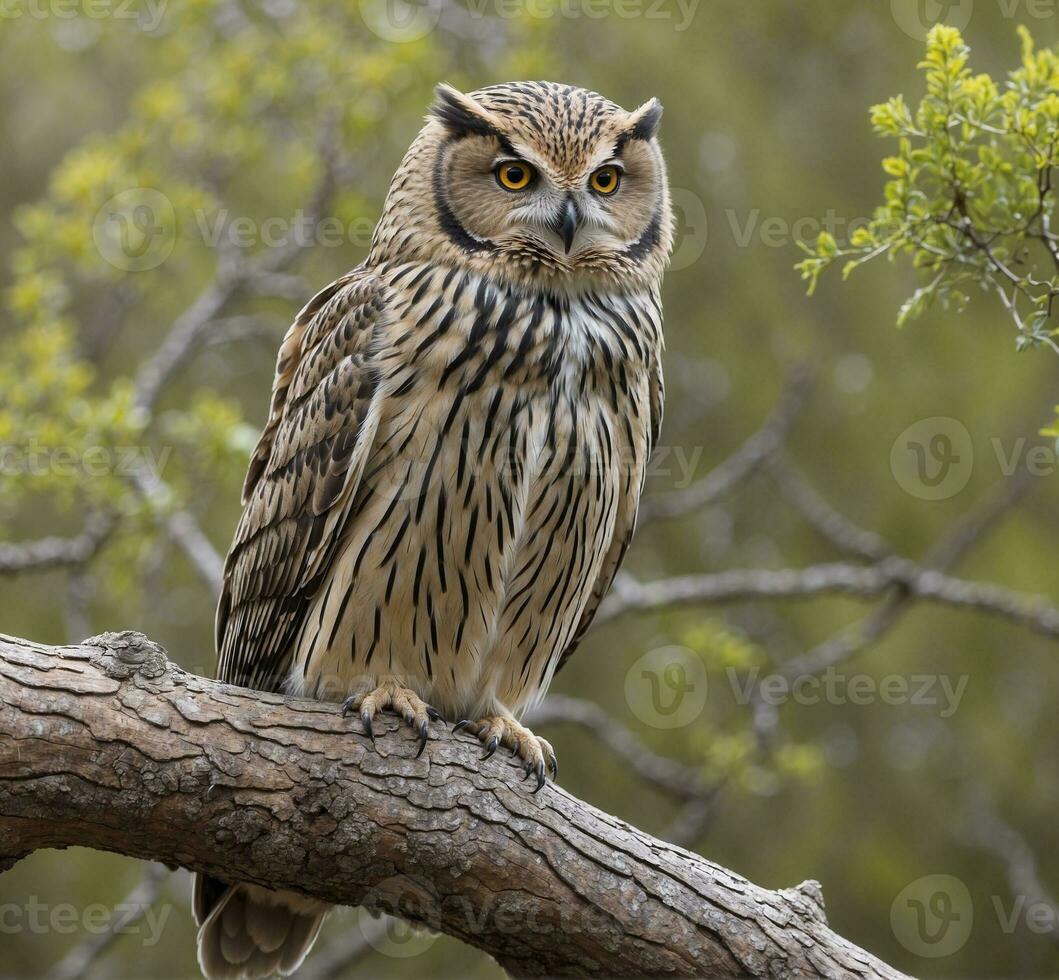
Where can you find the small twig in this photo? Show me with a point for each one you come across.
(683, 782)
(987, 830)
(821, 516)
(77, 963)
(182, 528)
(55, 552)
(77, 618)
(742, 464)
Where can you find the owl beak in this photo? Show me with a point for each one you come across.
(565, 225)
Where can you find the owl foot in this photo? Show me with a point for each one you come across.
(535, 753)
(401, 701)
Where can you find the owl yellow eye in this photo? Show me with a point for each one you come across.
(605, 180)
(514, 175)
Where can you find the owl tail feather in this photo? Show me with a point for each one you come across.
(247, 932)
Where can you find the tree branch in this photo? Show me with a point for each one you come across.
(836, 578)
(107, 745)
(741, 465)
(44, 554)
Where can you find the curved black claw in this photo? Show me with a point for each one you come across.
(491, 746)
(433, 714)
(424, 731)
(347, 706)
(541, 778)
(554, 763)
(461, 725)
(365, 720)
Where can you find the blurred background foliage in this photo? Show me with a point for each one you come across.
(253, 111)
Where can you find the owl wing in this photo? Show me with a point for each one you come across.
(302, 480)
(625, 521)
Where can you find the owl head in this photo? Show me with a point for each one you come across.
(534, 182)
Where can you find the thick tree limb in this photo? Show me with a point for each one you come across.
(107, 745)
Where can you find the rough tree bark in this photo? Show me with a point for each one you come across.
(108, 745)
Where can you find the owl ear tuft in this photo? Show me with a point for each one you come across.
(460, 114)
(644, 122)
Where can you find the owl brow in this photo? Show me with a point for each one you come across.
(462, 123)
(515, 157)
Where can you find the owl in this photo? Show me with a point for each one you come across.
(459, 431)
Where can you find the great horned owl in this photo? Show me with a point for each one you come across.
(459, 432)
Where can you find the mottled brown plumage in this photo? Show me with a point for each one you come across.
(448, 479)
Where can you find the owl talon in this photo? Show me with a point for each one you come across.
(433, 714)
(406, 704)
(535, 754)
